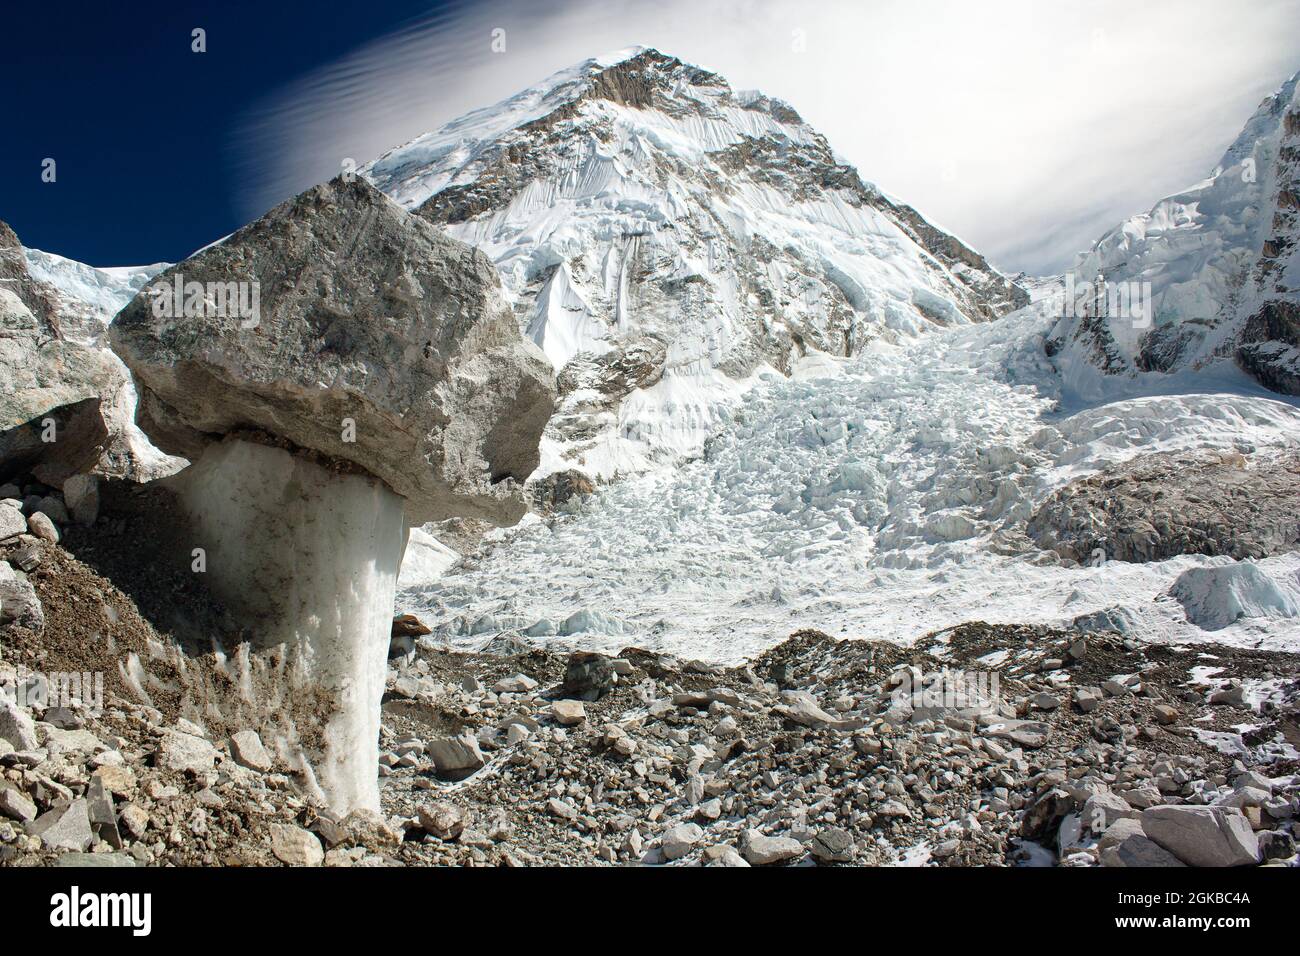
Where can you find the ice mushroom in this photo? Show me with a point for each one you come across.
(337, 371)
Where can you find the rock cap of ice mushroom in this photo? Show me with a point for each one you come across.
(340, 323)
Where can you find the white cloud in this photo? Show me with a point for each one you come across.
(1024, 126)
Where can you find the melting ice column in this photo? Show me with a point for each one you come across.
(382, 383)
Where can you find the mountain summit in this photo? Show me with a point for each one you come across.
(1220, 266)
(665, 237)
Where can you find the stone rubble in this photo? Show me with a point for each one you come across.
(1085, 751)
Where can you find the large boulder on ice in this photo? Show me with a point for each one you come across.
(1219, 596)
(365, 334)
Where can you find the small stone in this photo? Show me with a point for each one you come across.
(12, 522)
(709, 809)
(81, 494)
(246, 747)
(1045, 701)
(833, 846)
(183, 752)
(368, 828)
(443, 819)
(1165, 714)
(588, 676)
(134, 820)
(562, 809)
(720, 854)
(1101, 810)
(455, 758)
(678, 841)
(16, 725)
(517, 684)
(1276, 845)
(295, 846)
(761, 850)
(1087, 699)
(15, 805)
(568, 713)
(64, 827)
(42, 527)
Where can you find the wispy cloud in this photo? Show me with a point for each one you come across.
(1026, 127)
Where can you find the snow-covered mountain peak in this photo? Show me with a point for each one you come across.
(665, 237)
(1217, 265)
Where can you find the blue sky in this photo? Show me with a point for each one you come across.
(1026, 127)
(141, 128)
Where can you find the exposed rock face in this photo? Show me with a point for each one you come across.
(379, 342)
(54, 394)
(1161, 505)
(66, 401)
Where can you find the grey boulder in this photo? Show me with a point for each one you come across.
(377, 340)
(1203, 836)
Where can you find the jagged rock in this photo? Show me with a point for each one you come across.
(120, 780)
(1203, 836)
(517, 684)
(62, 403)
(246, 747)
(1276, 845)
(408, 625)
(18, 601)
(16, 725)
(568, 713)
(134, 820)
(444, 820)
(455, 757)
(1102, 810)
(15, 804)
(720, 854)
(65, 827)
(559, 488)
(588, 676)
(404, 333)
(1138, 851)
(183, 752)
(833, 846)
(381, 383)
(81, 495)
(42, 527)
(12, 522)
(295, 846)
(678, 841)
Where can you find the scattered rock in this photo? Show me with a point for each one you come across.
(295, 846)
(246, 747)
(1203, 836)
(761, 850)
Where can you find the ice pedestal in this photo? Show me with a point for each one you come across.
(307, 558)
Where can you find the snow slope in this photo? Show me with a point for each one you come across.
(88, 297)
(1221, 260)
(665, 238)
